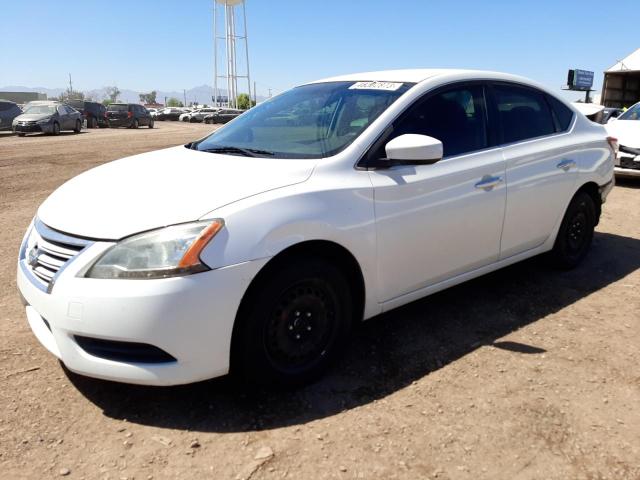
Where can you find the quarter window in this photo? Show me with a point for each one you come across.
(523, 113)
(561, 112)
(456, 117)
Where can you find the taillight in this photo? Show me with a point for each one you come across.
(129, 114)
(613, 143)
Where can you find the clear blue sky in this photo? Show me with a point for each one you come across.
(167, 44)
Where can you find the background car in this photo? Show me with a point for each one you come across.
(626, 129)
(93, 113)
(198, 116)
(47, 117)
(169, 113)
(130, 115)
(8, 111)
(223, 116)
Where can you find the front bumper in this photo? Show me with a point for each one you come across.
(191, 318)
(627, 165)
(30, 128)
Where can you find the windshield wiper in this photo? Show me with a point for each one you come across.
(247, 152)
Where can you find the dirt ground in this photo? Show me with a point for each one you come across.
(528, 373)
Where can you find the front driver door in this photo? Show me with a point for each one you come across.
(435, 222)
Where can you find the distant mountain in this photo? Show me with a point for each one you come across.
(202, 94)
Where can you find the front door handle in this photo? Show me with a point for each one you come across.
(566, 165)
(488, 182)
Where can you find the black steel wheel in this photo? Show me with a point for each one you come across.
(293, 326)
(576, 232)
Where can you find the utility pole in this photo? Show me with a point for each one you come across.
(70, 84)
(184, 94)
(255, 94)
(269, 93)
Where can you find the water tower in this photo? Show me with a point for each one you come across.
(226, 17)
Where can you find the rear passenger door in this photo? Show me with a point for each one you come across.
(541, 165)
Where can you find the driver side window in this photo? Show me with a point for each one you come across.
(457, 117)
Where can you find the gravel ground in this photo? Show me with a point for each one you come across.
(528, 373)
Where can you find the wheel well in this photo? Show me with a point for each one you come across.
(326, 250)
(593, 190)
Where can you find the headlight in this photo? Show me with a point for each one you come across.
(43, 121)
(167, 252)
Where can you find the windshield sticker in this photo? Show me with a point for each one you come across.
(389, 86)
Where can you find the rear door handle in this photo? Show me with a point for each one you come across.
(566, 164)
(488, 182)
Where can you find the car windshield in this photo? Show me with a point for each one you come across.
(40, 109)
(311, 121)
(632, 114)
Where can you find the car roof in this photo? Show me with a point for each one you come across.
(421, 74)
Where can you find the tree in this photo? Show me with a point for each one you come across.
(244, 102)
(113, 93)
(106, 102)
(174, 102)
(69, 95)
(148, 97)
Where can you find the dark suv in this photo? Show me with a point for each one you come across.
(8, 111)
(130, 115)
(93, 112)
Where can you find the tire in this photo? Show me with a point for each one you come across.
(56, 128)
(293, 324)
(575, 233)
(135, 123)
(151, 123)
(21, 134)
(78, 128)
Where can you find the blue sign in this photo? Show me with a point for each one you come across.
(580, 79)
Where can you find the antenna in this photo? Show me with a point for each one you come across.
(232, 41)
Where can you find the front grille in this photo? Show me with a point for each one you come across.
(48, 252)
(628, 162)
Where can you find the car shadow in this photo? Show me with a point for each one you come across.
(386, 353)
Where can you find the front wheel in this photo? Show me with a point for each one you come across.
(293, 326)
(78, 127)
(56, 128)
(576, 232)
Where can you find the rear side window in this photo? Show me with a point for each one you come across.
(561, 112)
(456, 117)
(5, 106)
(523, 113)
(114, 107)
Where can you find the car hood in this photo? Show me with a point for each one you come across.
(626, 131)
(160, 188)
(32, 117)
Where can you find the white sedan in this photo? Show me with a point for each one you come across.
(626, 129)
(255, 249)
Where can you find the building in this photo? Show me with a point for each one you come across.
(22, 97)
(621, 86)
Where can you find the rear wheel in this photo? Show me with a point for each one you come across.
(576, 232)
(151, 123)
(21, 134)
(135, 123)
(293, 326)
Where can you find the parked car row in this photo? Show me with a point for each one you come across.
(52, 117)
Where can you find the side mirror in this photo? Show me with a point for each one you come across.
(612, 119)
(413, 149)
